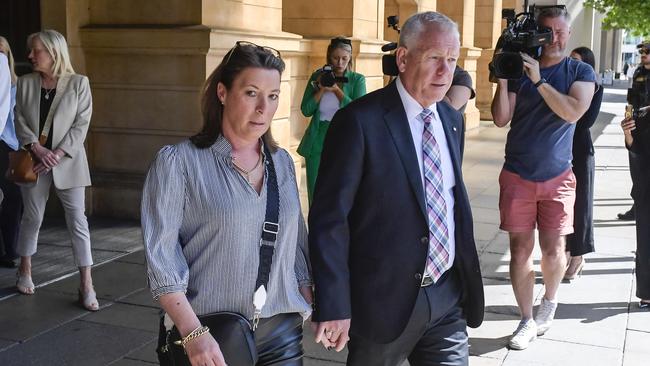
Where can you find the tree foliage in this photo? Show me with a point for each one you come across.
(632, 15)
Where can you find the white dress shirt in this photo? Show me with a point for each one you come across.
(416, 124)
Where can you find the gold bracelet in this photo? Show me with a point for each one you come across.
(196, 333)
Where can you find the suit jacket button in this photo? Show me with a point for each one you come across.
(424, 240)
(418, 276)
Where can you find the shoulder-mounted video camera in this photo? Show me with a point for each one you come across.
(522, 34)
(389, 62)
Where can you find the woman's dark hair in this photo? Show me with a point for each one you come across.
(586, 55)
(242, 56)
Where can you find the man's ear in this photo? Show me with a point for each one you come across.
(400, 56)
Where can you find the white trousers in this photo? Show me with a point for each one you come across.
(73, 201)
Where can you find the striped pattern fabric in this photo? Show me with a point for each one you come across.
(438, 259)
(202, 222)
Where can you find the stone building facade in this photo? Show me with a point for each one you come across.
(147, 61)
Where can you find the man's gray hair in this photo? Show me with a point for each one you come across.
(420, 22)
(554, 12)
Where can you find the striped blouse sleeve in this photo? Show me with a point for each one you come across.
(163, 200)
(301, 266)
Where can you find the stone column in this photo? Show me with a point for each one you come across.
(462, 12)
(487, 32)
(360, 20)
(147, 62)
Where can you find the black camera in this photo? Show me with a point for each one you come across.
(389, 62)
(639, 103)
(522, 34)
(328, 78)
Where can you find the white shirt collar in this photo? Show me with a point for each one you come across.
(411, 106)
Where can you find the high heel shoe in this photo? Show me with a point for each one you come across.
(89, 300)
(24, 284)
(574, 270)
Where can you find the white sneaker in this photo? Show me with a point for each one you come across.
(526, 332)
(545, 314)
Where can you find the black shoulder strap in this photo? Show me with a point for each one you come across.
(271, 225)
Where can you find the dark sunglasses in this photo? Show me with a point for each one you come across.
(240, 44)
(644, 51)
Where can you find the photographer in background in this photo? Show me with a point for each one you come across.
(323, 98)
(640, 87)
(581, 241)
(637, 140)
(537, 184)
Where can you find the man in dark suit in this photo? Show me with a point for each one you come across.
(391, 239)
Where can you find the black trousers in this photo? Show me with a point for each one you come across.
(582, 240)
(278, 340)
(11, 210)
(636, 169)
(643, 247)
(436, 333)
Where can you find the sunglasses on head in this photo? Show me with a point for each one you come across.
(335, 41)
(644, 51)
(240, 44)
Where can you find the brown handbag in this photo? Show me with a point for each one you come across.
(21, 162)
(21, 165)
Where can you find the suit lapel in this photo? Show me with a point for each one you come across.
(397, 123)
(452, 129)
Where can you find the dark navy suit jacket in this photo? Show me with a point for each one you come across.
(368, 232)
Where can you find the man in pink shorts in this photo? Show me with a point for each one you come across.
(537, 184)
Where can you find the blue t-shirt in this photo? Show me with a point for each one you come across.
(539, 143)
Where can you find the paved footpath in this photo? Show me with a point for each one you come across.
(597, 322)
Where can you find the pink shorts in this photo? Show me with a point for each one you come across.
(549, 205)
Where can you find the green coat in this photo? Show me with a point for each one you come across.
(311, 144)
(353, 89)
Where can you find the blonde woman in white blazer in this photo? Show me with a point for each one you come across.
(53, 92)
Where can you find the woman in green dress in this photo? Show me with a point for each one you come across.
(322, 99)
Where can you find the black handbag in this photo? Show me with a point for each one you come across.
(233, 332)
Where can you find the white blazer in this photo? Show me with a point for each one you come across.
(71, 118)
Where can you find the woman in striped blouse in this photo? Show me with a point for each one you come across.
(203, 207)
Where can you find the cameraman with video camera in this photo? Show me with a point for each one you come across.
(637, 139)
(537, 183)
(329, 89)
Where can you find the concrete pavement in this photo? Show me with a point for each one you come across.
(597, 322)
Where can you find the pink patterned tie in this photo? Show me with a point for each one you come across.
(438, 256)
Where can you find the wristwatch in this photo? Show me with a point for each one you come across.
(540, 82)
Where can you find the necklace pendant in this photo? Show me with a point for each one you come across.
(47, 96)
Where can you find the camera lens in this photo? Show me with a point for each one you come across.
(327, 79)
(508, 65)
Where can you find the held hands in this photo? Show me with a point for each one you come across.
(531, 67)
(204, 351)
(333, 333)
(47, 158)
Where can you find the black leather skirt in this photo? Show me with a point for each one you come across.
(278, 340)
